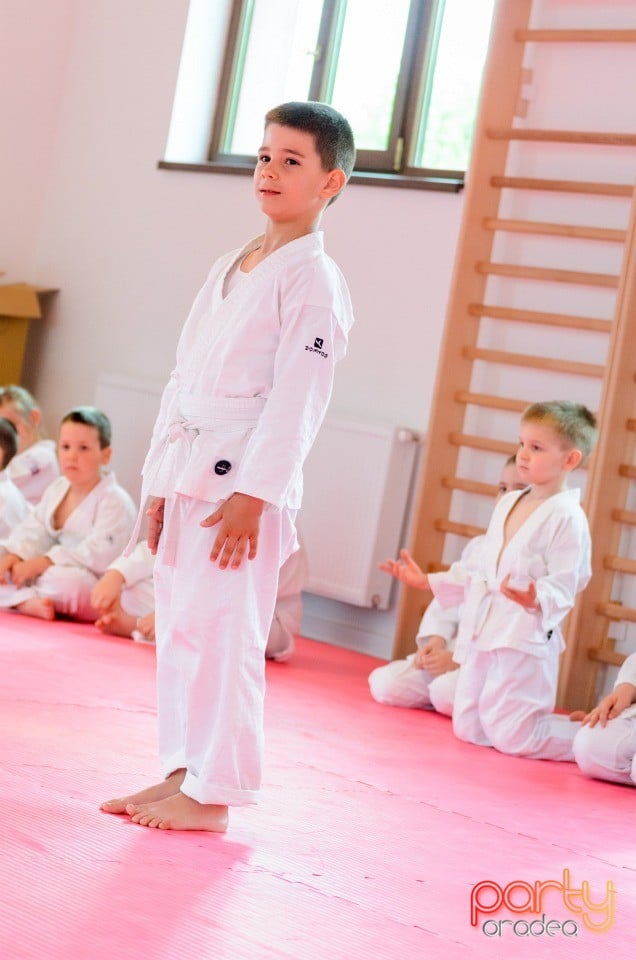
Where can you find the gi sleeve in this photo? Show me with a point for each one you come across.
(567, 559)
(30, 538)
(438, 622)
(627, 673)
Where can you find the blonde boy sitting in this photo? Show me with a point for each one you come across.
(35, 464)
(428, 677)
(535, 559)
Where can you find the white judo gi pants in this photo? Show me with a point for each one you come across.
(400, 684)
(505, 698)
(138, 600)
(211, 629)
(68, 587)
(609, 753)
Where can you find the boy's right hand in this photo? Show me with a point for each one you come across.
(155, 522)
(612, 705)
(7, 562)
(107, 591)
(406, 570)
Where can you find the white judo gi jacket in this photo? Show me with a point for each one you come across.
(253, 378)
(94, 534)
(34, 469)
(552, 547)
(13, 506)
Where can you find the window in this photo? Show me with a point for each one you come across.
(406, 73)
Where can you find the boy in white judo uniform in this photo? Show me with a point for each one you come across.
(535, 559)
(605, 746)
(253, 378)
(428, 677)
(13, 506)
(35, 465)
(51, 561)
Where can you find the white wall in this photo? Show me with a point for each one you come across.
(86, 97)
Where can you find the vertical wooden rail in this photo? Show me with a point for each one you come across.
(500, 91)
(606, 491)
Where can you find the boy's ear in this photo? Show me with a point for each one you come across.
(334, 183)
(36, 417)
(106, 455)
(573, 459)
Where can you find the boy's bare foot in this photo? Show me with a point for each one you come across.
(577, 715)
(117, 622)
(42, 607)
(159, 791)
(180, 812)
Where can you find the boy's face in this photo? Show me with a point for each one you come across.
(543, 458)
(289, 181)
(80, 455)
(510, 479)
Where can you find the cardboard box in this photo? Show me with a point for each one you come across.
(19, 304)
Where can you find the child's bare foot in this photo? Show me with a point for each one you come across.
(159, 791)
(180, 812)
(42, 607)
(117, 622)
(577, 715)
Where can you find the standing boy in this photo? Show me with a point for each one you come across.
(252, 382)
(534, 560)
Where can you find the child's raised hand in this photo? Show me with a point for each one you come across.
(25, 572)
(239, 518)
(525, 598)
(155, 522)
(612, 705)
(406, 570)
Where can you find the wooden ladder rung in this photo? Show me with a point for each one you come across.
(620, 564)
(606, 656)
(575, 36)
(631, 426)
(536, 363)
(535, 316)
(616, 611)
(627, 517)
(555, 229)
(563, 136)
(482, 443)
(564, 186)
(492, 402)
(470, 486)
(522, 272)
(460, 529)
(627, 471)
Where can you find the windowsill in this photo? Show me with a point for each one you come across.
(408, 182)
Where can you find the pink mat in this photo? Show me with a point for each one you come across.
(375, 827)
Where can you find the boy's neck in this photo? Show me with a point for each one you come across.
(278, 234)
(81, 490)
(543, 491)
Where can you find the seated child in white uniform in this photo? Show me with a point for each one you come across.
(534, 559)
(428, 677)
(53, 558)
(605, 746)
(13, 506)
(35, 465)
(125, 600)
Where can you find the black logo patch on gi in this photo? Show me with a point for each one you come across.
(221, 467)
(318, 342)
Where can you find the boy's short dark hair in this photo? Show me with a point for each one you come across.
(91, 417)
(332, 132)
(8, 442)
(573, 422)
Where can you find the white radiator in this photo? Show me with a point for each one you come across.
(357, 481)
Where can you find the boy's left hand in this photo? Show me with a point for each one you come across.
(526, 598)
(239, 518)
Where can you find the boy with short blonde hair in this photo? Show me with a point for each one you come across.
(35, 464)
(253, 378)
(535, 559)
